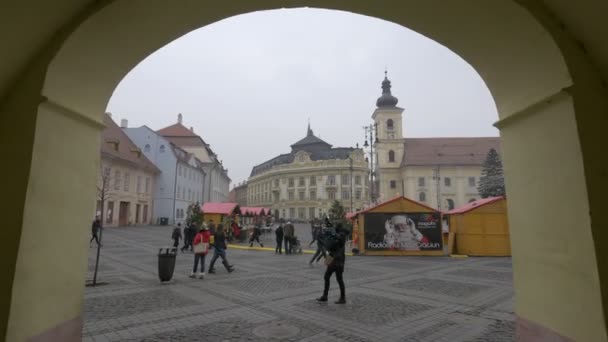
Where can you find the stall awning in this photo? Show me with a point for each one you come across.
(254, 211)
(224, 208)
(473, 205)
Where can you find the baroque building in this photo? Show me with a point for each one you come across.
(440, 172)
(302, 184)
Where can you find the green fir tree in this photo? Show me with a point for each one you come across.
(492, 181)
(194, 215)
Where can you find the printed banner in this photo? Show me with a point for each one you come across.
(403, 231)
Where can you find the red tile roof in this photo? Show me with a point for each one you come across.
(474, 205)
(255, 211)
(224, 208)
(448, 151)
(176, 130)
(116, 144)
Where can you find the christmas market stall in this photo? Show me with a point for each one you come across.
(480, 228)
(399, 226)
(222, 213)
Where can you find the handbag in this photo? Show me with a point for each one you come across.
(201, 248)
(328, 260)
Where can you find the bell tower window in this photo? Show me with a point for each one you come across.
(391, 156)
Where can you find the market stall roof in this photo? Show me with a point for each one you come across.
(254, 211)
(350, 215)
(224, 208)
(394, 199)
(474, 205)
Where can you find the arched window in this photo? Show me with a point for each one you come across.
(390, 125)
(391, 156)
(450, 203)
(162, 148)
(147, 148)
(422, 197)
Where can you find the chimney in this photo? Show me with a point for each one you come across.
(124, 123)
(179, 118)
(191, 129)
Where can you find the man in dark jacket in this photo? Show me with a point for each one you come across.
(320, 248)
(289, 232)
(335, 263)
(255, 236)
(95, 228)
(219, 246)
(176, 236)
(279, 234)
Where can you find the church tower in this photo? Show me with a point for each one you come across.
(389, 147)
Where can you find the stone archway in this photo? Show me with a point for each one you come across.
(548, 93)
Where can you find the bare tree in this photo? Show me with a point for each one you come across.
(104, 192)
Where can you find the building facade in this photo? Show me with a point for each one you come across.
(181, 180)
(440, 172)
(126, 181)
(239, 193)
(216, 181)
(301, 185)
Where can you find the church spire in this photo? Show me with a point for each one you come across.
(309, 132)
(387, 99)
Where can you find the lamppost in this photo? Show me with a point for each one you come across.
(371, 130)
(437, 178)
(350, 161)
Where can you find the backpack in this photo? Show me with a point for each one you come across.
(328, 238)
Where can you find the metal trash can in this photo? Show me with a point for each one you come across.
(164, 221)
(166, 263)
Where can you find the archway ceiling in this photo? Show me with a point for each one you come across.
(125, 32)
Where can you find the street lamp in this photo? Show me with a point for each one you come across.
(372, 130)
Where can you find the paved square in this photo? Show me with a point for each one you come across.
(271, 297)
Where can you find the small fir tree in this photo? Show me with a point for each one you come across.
(194, 215)
(492, 181)
(337, 213)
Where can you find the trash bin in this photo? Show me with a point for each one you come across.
(166, 263)
(164, 221)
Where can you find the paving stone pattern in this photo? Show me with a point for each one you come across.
(272, 297)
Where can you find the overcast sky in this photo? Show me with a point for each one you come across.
(249, 84)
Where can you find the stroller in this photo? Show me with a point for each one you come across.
(295, 246)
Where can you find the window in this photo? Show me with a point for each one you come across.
(116, 180)
(447, 181)
(138, 186)
(331, 180)
(313, 195)
(358, 194)
(345, 194)
(127, 179)
(162, 148)
(189, 195)
(391, 156)
(393, 184)
(471, 181)
(331, 195)
(313, 181)
(311, 213)
(147, 184)
(358, 180)
(422, 197)
(345, 179)
(290, 183)
(290, 195)
(301, 213)
(179, 170)
(421, 181)
(472, 200)
(390, 124)
(301, 182)
(450, 203)
(301, 195)
(179, 191)
(276, 182)
(292, 213)
(147, 148)
(110, 212)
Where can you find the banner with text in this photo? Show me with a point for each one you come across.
(403, 231)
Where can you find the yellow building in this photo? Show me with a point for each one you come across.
(481, 228)
(125, 181)
(301, 185)
(440, 172)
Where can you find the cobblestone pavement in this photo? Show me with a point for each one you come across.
(272, 297)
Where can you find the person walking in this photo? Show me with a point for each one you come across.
(95, 228)
(219, 246)
(257, 231)
(320, 252)
(187, 233)
(201, 243)
(335, 263)
(176, 236)
(288, 236)
(236, 231)
(279, 235)
(211, 227)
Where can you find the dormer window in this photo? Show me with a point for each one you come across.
(162, 148)
(147, 148)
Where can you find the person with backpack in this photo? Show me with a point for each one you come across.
(201, 248)
(279, 236)
(336, 245)
(219, 245)
(176, 236)
(257, 231)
